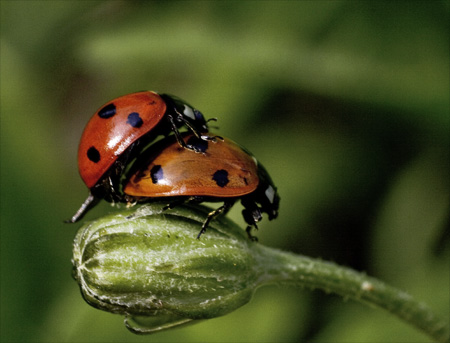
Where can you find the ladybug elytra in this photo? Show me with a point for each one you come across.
(120, 129)
(224, 172)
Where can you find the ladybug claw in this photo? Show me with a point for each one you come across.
(207, 138)
(169, 206)
(193, 148)
(173, 204)
(202, 231)
(249, 234)
(211, 138)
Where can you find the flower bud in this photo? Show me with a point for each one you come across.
(148, 262)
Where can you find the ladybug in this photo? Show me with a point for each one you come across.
(120, 129)
(224, 172)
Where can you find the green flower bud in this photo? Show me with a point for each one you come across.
(148, 265)
(148, 262)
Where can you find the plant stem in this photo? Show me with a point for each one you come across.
(286, 268)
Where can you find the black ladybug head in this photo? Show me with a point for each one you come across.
(186, 113)
(270, 201)
(196, 117)
(267, 194)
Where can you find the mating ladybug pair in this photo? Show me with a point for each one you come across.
(119, 161)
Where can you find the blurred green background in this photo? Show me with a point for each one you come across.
(345, 103)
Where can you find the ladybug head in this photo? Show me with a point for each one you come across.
(267, 193)
(194, 115)
(185, 114)
(270, 202)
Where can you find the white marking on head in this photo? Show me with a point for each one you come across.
(270, 194)
(188, 112)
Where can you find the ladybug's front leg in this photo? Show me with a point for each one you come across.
(211, 215)
(252, 214)
(90, 202)
(191, 127)
(180, 139)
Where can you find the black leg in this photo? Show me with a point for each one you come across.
(249, 233)
(211, 215)
(176, 203)
(180, 140)
(252, 214)
(211, 138)
(197, 133)
(90, 202)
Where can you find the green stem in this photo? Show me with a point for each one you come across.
(286, 268)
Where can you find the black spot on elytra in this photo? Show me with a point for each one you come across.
(134, 120)
(200, 144)
(221, 177)
(93, 154)
(156, 173)
(107, 112)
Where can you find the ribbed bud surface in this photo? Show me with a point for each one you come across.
(148, 262)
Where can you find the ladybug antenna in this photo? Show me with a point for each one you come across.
(212, 127)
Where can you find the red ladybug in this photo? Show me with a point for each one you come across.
(225, 172)
(120, 129)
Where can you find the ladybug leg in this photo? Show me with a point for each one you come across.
(211, 138)
(180, 140)
(90, 202)
(252, 214)
(196, 132)
(211, 215)
(249, 233)
(176, 203)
